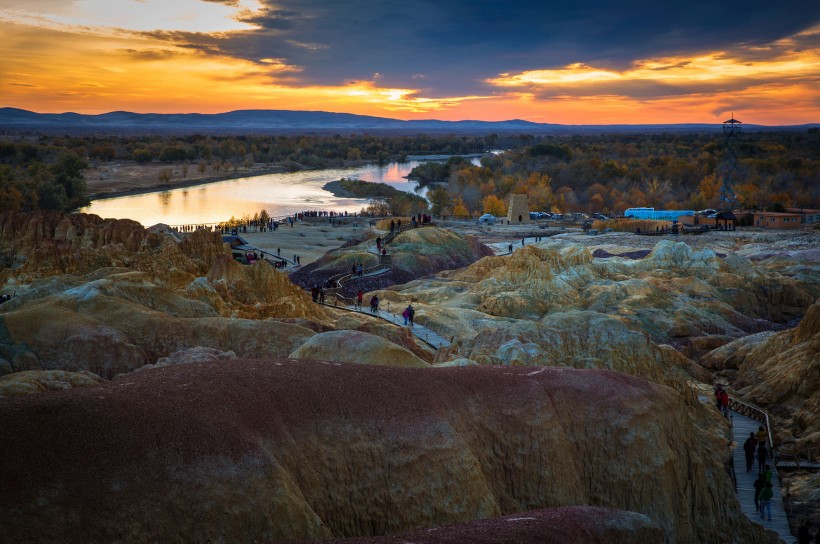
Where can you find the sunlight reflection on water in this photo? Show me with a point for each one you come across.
(279, 194)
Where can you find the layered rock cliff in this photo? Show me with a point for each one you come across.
(266, 450)
(108, 296)
(780, 372)
(42, 244)
(555, 303)
(414, 253)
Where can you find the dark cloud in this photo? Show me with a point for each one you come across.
(148, 54)
(270, 19)
(457, 44)
(643, 89)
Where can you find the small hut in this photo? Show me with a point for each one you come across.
(518, 211)
(725, 221)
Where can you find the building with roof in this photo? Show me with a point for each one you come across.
(777, 220)
(808, 216)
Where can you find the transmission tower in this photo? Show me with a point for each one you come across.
(728, 194)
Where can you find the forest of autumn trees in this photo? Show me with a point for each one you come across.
(587, 173)
(610, 173)
(44, 171)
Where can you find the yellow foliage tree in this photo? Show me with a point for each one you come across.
(459, 209)
(709, 189)
(494, 205)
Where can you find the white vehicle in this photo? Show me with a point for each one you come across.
(487, 218)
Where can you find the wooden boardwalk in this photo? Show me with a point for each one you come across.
(741, 427)
(422, 333)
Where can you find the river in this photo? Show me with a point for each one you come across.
(279, 194)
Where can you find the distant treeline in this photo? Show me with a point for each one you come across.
(610, 173)
(44, 172)
(592, 173)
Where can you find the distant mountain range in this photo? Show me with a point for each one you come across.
(255, 121)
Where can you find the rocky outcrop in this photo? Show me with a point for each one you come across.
(192, 356)
(356, 347)
(691, 300)
(39, 381)
(414, 253)
(780, 372)
(40, 244)
(122, 321)
(568, 525)
(259, 291)
(134, 296)
(267, 450)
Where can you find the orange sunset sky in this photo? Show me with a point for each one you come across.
(637, 63)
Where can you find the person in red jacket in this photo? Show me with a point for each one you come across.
(724, 403)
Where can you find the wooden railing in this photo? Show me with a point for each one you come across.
(755, 413)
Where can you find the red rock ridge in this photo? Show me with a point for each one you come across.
(281, 450)
(568, 525)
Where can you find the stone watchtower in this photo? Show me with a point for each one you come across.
(518, 211)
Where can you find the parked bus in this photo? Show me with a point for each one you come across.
(652, 213)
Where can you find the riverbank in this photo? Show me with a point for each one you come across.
(116, 179)
(139, 180)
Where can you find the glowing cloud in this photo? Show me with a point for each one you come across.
(93, 56)
(667, 76)
(140, 15)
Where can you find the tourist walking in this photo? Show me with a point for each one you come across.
(406, 315)
(322, 295)
(759, 484)
(724, 404)
(722, 401)
(767, 474)
(762, 456)
(762, 435)
(718, 397)
(359, 297)
(749, 448)
(766, 495)
(411, 313)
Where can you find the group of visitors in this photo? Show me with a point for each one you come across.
(357, 269)
(408, 315)
(318, 294)
(756, 444)
(322, 213)
(374, 304)
(421, 219)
